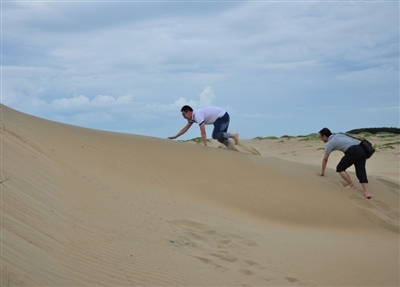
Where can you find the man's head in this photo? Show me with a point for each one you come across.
(187, 112)
(325, 133)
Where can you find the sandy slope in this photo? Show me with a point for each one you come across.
(91, 208)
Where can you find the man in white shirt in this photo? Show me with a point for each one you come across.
(208, 116)
(354, 153)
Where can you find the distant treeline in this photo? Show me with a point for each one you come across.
(375, 130)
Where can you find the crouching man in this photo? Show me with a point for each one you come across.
(354, 153)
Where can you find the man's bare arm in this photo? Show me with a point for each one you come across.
(182, 131)
(203, 133)
(324, 163)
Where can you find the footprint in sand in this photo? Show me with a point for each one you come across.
(378, 212)
(214, 248)
(297, 282)
(337, 183)
(249, 149)
(392, 186)
(292, 280)
(246, 272)
(382, 206)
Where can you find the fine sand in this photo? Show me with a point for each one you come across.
(82, 207)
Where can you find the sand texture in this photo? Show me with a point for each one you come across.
(83, 207)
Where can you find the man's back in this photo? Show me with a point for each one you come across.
(339, 142)
(207, 115)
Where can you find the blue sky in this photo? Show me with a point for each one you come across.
(278, 67)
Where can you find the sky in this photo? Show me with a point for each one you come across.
(278, 67)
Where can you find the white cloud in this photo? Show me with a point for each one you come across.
(104, 100)
(78, 102)
(183, 101)
(81, 102)
(145, 60)
(207, 97)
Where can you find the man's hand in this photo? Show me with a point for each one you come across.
(324, 163)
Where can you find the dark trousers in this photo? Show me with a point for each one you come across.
(220, 132)
(354, 155)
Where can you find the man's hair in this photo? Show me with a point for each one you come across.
(186, 109)
(325, 132)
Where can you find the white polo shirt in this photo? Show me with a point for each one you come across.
(207, 115)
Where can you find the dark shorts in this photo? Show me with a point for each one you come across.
(354, 155)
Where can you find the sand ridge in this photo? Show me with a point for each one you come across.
(83, 207)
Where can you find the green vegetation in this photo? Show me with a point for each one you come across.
(364, 133)
(197, 140)
(310, 137)
(389, 145)
(375, 130)
(287, 137)
(266, 138)
(361, 136)
(386, 135)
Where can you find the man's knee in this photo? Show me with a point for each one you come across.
(344, 164)
(340, 168)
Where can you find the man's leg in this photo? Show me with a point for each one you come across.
(345, 163)
(354, 156)
(362, 175)
(220, 131)
(347, 179)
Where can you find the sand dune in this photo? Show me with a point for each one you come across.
(84, 207)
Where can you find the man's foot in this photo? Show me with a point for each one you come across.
(367, 195)
(235, 138)
(351, 186)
